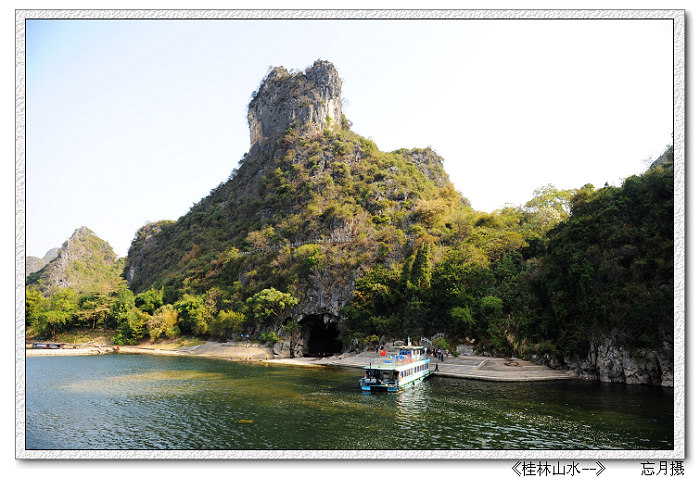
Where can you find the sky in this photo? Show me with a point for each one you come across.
(132, 121)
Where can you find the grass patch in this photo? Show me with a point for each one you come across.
(174, 344)
(77, 336)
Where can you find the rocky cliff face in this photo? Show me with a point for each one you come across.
(32, 265)
(35, 264)
(665, 158)
(309, 100)
(84, 263)
(141, 247)
(608, 361)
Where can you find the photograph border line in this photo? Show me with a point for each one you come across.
(678, 17)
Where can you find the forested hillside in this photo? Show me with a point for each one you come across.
(75, 286)
(609, 266)
(319, 237)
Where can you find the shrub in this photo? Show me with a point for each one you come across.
(440, 343)
(269, 337)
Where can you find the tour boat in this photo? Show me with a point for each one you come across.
(397, 372)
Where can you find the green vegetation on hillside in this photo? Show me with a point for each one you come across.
(609, 266)
(544, 278)
(85, 263)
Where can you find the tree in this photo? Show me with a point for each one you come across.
(421, 269)
(551, 198)
(132, 328)
(497, 242)
(193, 313)
(93, 310)
(491, 306)
(441, 343)
(268, 305)
(610, 267)
(260, 240)
(59, 311)
(462, 321)
(226, 324)
(150, 300)
(163, 321)
(292, 328)
(405, 278)
(34, 304)
(129, 321)
(497, 324)
(121, 307)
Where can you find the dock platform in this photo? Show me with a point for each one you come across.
(469, 367)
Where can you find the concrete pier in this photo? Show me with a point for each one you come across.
(469, 367)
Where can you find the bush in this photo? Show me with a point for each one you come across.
(441, 343)
(172, 332)
(227, 323)
(269, 337)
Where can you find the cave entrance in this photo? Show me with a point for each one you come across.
(322, 332)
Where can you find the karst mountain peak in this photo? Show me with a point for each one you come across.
(309, 101)
(320, 243)
(308, 185)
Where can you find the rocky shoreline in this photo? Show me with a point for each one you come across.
(465, 366)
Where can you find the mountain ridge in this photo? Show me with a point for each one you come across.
(84, 263)
(295, 136)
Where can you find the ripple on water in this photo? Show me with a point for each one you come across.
(149, 402)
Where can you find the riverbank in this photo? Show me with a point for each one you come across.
(243, 351)
(466, 367)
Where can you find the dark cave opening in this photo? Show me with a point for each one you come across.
(322, 332)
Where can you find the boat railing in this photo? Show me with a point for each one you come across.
(403, 359)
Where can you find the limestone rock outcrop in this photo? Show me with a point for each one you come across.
(145, 243)
(35, 264)
(609, 361)
(32, 265)
(310, 100)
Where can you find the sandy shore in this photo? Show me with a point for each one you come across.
(469, 367)
(235, 351)
(92, 350)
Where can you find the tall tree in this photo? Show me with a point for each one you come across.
(268, 305)
(422, 268)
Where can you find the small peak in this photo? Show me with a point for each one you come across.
(82, 231)
(306, 100)
(50, 255)
(277, 73)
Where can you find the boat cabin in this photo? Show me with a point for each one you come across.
(376, 375)
(398, 371)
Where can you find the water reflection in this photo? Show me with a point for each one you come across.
(147, 402)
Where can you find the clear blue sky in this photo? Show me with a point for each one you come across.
(134, 121)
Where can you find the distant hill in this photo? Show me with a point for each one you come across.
(84, 263)
(35, 264)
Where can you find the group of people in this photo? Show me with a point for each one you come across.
(438, 353)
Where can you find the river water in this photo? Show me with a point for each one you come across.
(164, 402)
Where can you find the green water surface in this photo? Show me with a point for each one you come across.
(152, 402)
